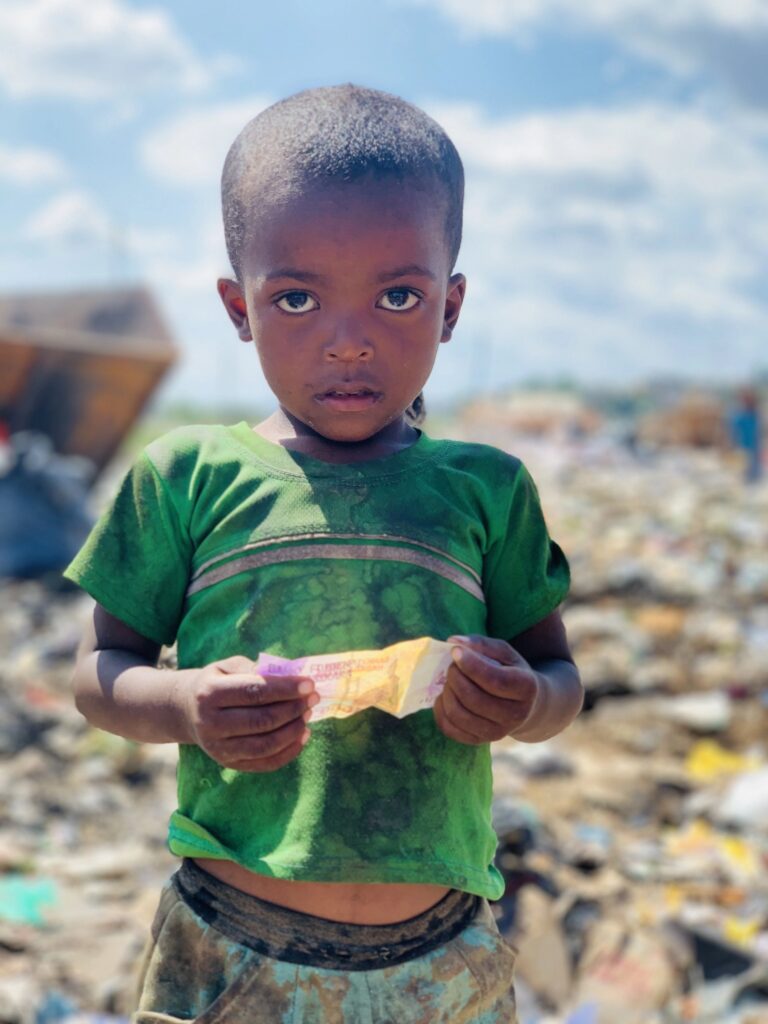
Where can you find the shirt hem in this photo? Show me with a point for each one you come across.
(338, 869)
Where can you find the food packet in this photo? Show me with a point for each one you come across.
(400, 679)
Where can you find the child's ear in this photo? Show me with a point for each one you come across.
(232, 296)
(457, 286)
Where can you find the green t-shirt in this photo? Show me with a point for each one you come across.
(230, 544)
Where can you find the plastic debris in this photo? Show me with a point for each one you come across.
(44, 516)
(745, 801)
(25, 899)
(634, 846)
(708, 761)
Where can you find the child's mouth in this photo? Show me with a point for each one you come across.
(351, 399)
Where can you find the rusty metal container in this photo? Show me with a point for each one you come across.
(80, 366)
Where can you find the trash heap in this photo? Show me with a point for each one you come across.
(81, 827)
(44, 517)
(634, 846)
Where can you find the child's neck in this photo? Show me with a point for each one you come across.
(284, 429)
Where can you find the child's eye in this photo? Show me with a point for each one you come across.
(399, 299)
(296, 302)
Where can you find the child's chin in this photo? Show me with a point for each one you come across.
(350, 436)
(351, 433)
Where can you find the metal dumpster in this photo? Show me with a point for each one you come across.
(80, 366)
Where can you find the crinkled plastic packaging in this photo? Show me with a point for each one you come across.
(400, 679)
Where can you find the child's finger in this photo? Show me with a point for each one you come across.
(233, 751)
(483, 730)
(247, 721)
(255, 691)
(491, 647)
(473, 697)
(447, 726)
(498, 680)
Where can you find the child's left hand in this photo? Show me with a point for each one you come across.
(489, 692)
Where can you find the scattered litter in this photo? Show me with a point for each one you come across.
(708, 761)
(701, 712)
(24, 899)
(745, 801)
(633, 846)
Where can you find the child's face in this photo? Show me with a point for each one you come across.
(347, 294)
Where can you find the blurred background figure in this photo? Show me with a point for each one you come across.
(746, 431)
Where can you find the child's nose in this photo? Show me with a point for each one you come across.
(349, 343)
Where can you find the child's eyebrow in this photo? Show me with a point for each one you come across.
(407, 270)
(294, 272)
(309, 276)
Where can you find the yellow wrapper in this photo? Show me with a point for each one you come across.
(400, 679)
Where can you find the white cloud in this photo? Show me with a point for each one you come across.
(516, 15)
(149, 243)
(616, 242)
(71, 218)
(190, 149)
(726, 37)
(30, 166)
(618, 154)
(604, 244)
(102, 49)
(75, 219)
(194, 268)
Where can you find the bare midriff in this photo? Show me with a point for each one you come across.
(336, 901)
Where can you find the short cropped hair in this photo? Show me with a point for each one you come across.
(337, 134)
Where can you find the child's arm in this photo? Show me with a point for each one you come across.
(529, 689)
(241, 719)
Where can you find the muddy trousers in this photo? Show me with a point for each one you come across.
(219, 956)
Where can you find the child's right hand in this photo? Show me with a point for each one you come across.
(247, 721)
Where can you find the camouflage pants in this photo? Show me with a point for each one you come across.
(206, 963)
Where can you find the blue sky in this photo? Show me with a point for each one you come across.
(616, 155)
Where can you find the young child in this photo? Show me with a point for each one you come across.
(335, 872)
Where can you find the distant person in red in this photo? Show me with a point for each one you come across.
(746, 432)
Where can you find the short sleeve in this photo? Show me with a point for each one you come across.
(136, 560)
(526, 574)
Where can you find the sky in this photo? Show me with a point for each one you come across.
(616, 154)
